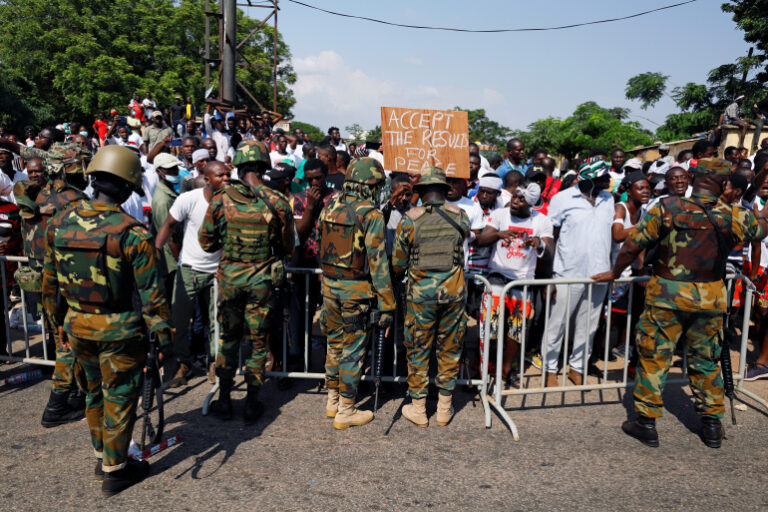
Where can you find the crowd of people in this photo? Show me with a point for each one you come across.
(229, 197)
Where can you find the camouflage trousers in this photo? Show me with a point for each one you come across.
(343, 322)
(441, 325)
(62, 380)
(244, 312)
(659, 330)
(112, 374)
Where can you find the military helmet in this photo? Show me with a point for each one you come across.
(367, 171)
(118, 161)
(433, 176)
(68, 157)
(25, 192)
(251, 151)
(710, 167)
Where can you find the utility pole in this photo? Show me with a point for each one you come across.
(228, 52)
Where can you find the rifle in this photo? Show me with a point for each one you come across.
(153, 421)
(373, 323)
(725, 355)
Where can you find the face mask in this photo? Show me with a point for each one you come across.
(172, 179)
(84, 134)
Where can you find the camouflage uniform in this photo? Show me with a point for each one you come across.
(254, 227)
(355, 268)
(686, 295)
(429, 249)
(97, 255)
(65, 160)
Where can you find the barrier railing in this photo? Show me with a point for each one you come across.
(11, 356)
(308, 324)
(496, 393)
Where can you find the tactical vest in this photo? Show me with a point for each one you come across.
(94, 276)
(342, 240)
(689, 250)
(437, 244)
(248, 228)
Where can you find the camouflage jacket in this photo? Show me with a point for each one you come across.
(235, 216)
(428, 286)
(54, 197)
(679, 239)
(97, 256)
(353, 251)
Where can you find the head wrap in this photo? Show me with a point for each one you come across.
(659, 167)
(200, 154)
(593, 169)
(633, 178)
(532, 193)
(490, 181)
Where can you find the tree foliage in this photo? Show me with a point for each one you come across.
(484, 130)
(68, 59)
(356, 133)
(646, 87)
(751, 16)
(316, 135)
(589, 127)
(701, 104)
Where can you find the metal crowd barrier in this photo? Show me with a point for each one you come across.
(27, 357)
(308, 323)
(495, 393)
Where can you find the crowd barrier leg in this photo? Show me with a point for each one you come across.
(216, 334)
(743, 349)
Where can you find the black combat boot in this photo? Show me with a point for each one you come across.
(712, 431)
(98, 472)
(222, 407)
(116, 481)
(642, 429)
(76, 398)
(58, 411)
(253, 408)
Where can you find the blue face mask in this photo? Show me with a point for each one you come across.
(172, 179)
(84, 134)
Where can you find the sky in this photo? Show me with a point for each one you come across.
(348, 68)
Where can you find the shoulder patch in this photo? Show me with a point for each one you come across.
(415, 212)
(452, 208)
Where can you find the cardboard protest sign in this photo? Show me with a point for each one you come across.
(415, 138)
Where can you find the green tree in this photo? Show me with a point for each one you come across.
(374, 134)
(647, 87)
(356, 133)
(68, 59)
(315, 134)
(751, 16)
(589, 127)
(484, 130)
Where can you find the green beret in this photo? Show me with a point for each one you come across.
(710, 167)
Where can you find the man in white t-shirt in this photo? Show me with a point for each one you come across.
(197, 268)
(281, 153)
(519, 236)
(457, 196)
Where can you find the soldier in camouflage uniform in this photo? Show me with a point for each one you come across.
(253, 224)
(97, 257)
(66, 163)
(429, 248)
(686, 295)
(353, 257)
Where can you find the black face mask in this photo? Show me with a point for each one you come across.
(120, 191)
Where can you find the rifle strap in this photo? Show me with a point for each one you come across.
(722, 247)
(450, 221)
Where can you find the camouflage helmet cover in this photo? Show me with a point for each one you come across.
(367, 171)
(433, 176)
(68, 157)
(250, 151)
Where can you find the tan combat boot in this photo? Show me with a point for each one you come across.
(349, 416)
(416, 412)
(444, 409)
(332, 405)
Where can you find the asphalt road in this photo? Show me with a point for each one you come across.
(572, 455)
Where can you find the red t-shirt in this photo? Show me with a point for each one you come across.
(101, 128)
